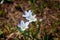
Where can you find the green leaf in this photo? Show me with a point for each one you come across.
(59, 5)
(27, 34)
(45, 37)
(37, 31)
(54, 38)
(1, 12)
(1, 32)
(19, 29)
(33, 5)
(41, 7)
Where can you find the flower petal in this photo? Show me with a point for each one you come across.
(41, 20)
(27, 23)
(24, 15)
(35, 19)
(25, 12)
(30, 12)
(24, 27)
(1, 1)
(19, 25)
(22, 22)
(34, 16)
(27, 18)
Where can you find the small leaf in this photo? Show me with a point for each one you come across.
(31, 29)
(41, 6)
(26, 34)
(19, 29)
(1, 32)
(45, 37)
(54, 38)
(59, 5)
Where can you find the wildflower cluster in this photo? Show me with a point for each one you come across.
(31, 18)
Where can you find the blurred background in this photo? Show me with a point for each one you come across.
(11, 12)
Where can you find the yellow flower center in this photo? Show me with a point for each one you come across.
(31, 18)
(23, 27)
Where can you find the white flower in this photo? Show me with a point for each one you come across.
(1, 1)
(23, 25)
(40, 19)
(32, 18)
(29, 16)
